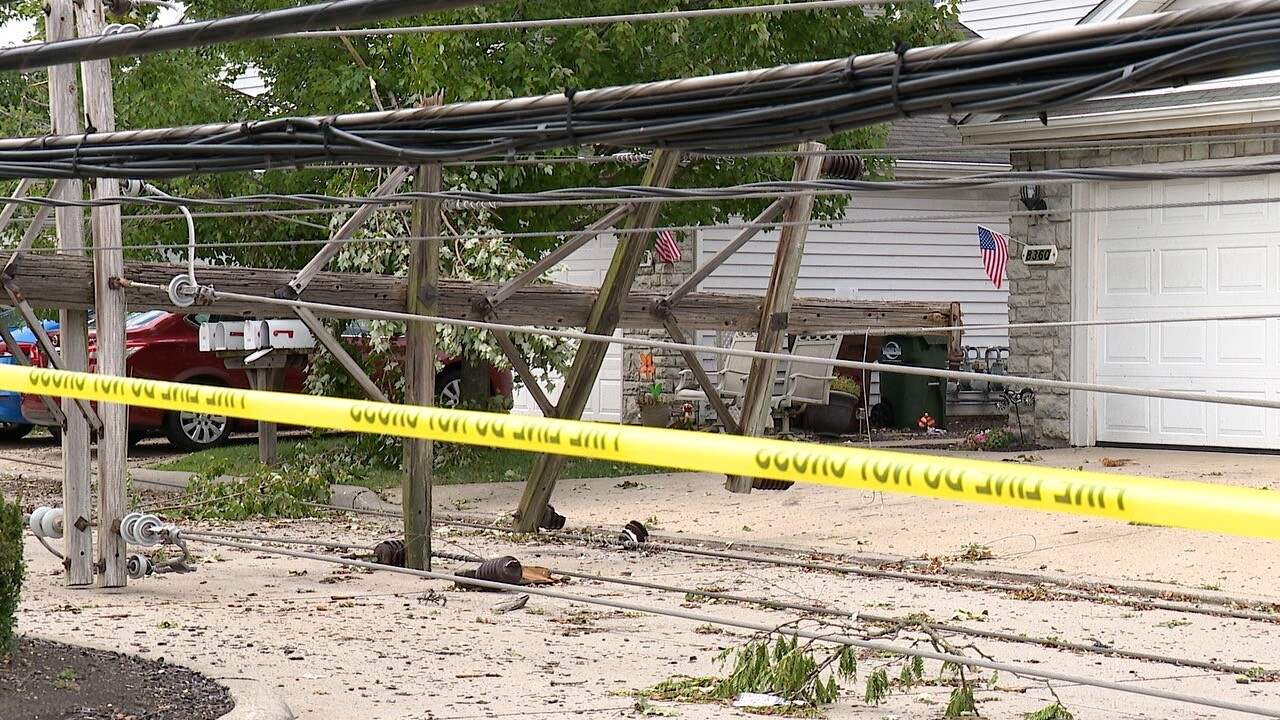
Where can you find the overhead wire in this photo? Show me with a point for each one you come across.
(949, 217)
(640, 194)
(1226, 608)
(1161, 602)
(545, 23)
(910, 154)
(790, 630)
(234, 28)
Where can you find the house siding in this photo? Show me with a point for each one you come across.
(1000, 18)
(904, 258)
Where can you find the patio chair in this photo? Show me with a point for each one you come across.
(809, 377)
(731, 378)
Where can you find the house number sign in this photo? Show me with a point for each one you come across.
(1039, 255)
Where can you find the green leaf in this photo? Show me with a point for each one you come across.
(877, 687)
(1053, 711)
(961, 703)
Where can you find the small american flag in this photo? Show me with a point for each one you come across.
(667, 248)
(995, 251)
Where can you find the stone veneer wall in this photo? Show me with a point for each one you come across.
(655, 276)
(1043, 293)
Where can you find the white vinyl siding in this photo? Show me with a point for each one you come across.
(1000, 18)
(934, 260)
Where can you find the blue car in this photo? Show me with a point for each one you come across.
(13, 426)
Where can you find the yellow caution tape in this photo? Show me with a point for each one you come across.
(1176, 503)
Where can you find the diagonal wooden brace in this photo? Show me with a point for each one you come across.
(704, 380)
(293, 289)
(603, 320)
(340, 354)
(752, 229)
(20, 355)
(566, 249)
(45, 342)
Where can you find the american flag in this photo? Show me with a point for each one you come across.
(995, 251)
(666, 247)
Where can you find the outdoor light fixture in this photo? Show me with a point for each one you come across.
(1032, 199)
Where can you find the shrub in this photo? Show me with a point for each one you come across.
(992, 439)
(11, 569)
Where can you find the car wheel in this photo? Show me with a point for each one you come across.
(449, 388)
(14, 431)
(192, 431)
(196, 431)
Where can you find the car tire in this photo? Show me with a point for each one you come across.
(197, 431)
(449, 387)
(11, 431)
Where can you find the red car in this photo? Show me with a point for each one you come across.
(166, 346)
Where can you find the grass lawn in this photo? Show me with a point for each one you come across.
(489, 465)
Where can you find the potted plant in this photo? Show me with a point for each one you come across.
(834, 417)
(655, 411)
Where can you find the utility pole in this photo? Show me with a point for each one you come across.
(775, 315)
(108, 266)
(420, 366)
(77, 501)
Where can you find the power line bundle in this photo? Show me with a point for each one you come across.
(743, 111)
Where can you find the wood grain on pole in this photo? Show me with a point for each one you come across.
(420, 367)
(77, 495)
(774, 321)
(603, 320)
(108, 263)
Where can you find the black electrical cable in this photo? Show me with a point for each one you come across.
(234, 28)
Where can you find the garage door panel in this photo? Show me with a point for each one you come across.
(1126, 272)
(1225, 261)
(1188, 191)
(1183, 343)
(1184, 271)
(1242, 423)
(1126, 414)
(1183, 418)
(1241, 342)
(1126, 194)
(1242, 269)
(1244, 189)
(1126, 344)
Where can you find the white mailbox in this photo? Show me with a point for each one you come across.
(217, 336)
(279, 334)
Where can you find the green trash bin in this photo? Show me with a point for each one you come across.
(908, 397)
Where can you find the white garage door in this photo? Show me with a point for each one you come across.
(1179, 262)
(588, 267)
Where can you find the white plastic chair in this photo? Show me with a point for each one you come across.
(809, 377)
(731, 378)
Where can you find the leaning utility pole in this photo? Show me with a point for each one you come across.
(64, 111)
(420, 365)
(108, 267)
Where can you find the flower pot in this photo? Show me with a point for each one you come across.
(657, 415)
(834, 417)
